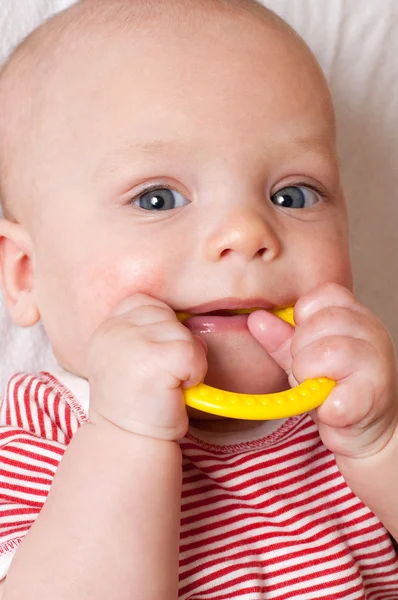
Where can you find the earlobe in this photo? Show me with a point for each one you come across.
(16, 274)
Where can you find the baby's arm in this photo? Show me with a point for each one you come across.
(110, 525)
(109, 528)
(338, 337)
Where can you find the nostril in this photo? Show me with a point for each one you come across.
(260, 253)
(225, 252)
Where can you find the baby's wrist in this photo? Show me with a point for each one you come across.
(140, 434)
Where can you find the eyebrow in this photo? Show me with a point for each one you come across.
(156, 145)
(173, 146)
(146, 148)
(312, 142)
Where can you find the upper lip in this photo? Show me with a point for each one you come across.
(229, 304)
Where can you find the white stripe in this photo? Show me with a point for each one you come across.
(11, 405)
(32, 462)
(290, 513)
(274, 534)
(266, 495)
(268, 473)
(33, 409)
(311, 548)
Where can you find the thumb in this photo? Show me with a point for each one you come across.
(275, 337)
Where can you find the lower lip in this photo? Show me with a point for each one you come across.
(216, 324)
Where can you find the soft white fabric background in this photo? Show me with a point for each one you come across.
(356, 42)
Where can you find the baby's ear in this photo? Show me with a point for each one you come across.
(16, 274)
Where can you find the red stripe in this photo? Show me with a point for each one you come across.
(202, 457)
(258, 542)
(56, 417)
(17, 404)
(9, 526)
(46, 412)
(242, 500)
(282, 472)
(380, 564)
(17, 385)
(6, 402)
(36, 443)
(17, 500)
(21, 510)
(32, 440)
(27, 401)
(23, 477)
(68, 414)
(279, 586)
(33, 491)
(260, 590)
(19, 530)
(22, 465)
(32, 456)
(10, 512)
(326, 548)
(236, 566)
(40, 413)
(281, 571)
(387, 593)
(266, 537)
(67, 396)
(381, 574)
(277, 513)
(29, 412)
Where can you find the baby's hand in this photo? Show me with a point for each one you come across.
(138, 362)
(337, 337)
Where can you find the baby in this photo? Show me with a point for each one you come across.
(179, 156)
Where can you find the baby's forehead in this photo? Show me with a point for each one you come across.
(65, 68)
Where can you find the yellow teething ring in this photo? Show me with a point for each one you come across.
(260, 407)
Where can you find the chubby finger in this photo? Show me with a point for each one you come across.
(185, 361)
(139, 301)
(351, 421)
(336, 357)
(274, 335)
(356, 366)
(326, 295)
(339, 321)
(150, 314)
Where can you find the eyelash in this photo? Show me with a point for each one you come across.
(157, 186)
(322, 193)
(152, 188)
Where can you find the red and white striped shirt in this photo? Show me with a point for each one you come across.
(269, 518)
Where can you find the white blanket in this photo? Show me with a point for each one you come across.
(356, 42)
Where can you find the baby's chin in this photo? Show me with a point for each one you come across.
(238, 363)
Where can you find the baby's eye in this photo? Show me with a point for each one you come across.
(295, 196)
(160, 199)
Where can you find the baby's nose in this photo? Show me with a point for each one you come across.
(245, 233)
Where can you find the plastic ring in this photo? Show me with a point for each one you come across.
(260, 407)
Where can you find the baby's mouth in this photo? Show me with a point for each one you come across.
(236, 361)
(181, 316)
(216, 321)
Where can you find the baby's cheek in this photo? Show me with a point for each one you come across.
(327, 261)
(92, 293)
(107, 286)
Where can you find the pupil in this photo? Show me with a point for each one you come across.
(157, 202)
(286, 201)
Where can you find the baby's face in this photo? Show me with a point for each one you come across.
(194, 164)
